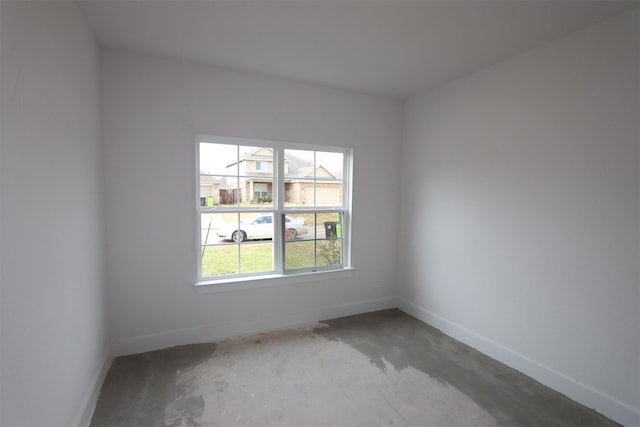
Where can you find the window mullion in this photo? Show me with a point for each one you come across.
(315, 240)
(239, 258)
(239, 195)
(278, 201)
(201, 248)
(347, 205)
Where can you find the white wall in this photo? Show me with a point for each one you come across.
(152, 111)
(520, 214)
(54, 337)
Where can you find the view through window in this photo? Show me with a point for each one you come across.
(271, 208)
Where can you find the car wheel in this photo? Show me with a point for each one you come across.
(239, 236)
(292, 234)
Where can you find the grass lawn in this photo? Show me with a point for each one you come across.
(258, 257)
(223, 259)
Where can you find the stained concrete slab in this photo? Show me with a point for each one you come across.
(381, 368)
(511, 397)
(138, 388)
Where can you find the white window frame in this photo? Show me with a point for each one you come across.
(279, 275)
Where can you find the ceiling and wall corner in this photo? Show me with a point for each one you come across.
(389, 48)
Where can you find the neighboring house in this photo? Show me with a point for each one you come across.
(257, 184)
(210, 191)
(298, 187)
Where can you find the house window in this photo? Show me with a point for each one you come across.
(294, 219)
(260, 191)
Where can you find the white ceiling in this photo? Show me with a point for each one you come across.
(394, 48)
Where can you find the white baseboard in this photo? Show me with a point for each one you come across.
(582, 393)
(215, 332)
(89, 403)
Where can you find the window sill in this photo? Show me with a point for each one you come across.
(244, 283)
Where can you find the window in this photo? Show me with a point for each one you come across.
(260, 190)
(283, 214)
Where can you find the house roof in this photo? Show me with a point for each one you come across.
(308, 172)
(254, 155)
(210, 179)
(297, 166)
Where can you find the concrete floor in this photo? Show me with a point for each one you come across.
(382, 368)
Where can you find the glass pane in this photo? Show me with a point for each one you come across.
(256, 161)
(328, 193)
(299, 254)
(219, 191)
(299, 226)
(329, 225)
(214, 227)
(313, 178)
(333, 163)
(299, 193)
(329, 252)
(329, 244)
(254, 226)
(299, 164)
(256, 258)
(329, 175)
(319, 246)
(220, 259)
(258, 191)
(218, 159)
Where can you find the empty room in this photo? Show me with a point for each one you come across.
(319, 213)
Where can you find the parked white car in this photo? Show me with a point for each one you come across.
(261, 227)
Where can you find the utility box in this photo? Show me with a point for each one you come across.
(333, 230)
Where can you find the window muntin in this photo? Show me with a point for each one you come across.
(314, 178)
(228, 176)
(320, 247)
(268, 208)
(236, 243)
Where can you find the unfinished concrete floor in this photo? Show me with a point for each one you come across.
(381, 368)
